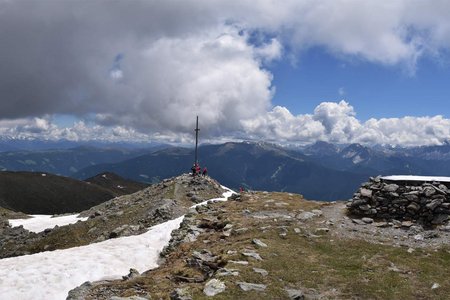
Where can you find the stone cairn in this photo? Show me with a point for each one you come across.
(427, 203)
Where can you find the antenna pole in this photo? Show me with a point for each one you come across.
(196, 141)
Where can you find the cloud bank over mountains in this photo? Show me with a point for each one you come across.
(330, 121)
(143, 69)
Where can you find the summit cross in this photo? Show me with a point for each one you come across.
(196, 141)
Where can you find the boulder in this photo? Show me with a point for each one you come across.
(214, 287)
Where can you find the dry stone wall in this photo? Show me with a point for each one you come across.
(427, 203)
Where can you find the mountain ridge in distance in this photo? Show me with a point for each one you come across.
(45, 193)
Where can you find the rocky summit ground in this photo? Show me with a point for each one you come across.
(122, 216)
(281, 246)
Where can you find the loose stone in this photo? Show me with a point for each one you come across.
(245, 286)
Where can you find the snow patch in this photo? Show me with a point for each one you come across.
(357, 159)
(225, 195)
(349, 154)
(416, 178)
(274, 175)
(51, 275)
(39, 223)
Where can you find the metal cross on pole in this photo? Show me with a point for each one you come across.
(196, 141)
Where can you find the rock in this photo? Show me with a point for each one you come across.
(297, 230)
(196, 199)
(410, 250)
(433, 204)
(181, 294)
(227, 272)
(382, 224)
(365, 207)
(252, 254)
(241, 230)
(367, 220)
(259, 243)
(392, 188)
(132, 274)
(407, 224)
(79, 292)
(128, 298)
(357, 202)
(317, 212)
(204, 255)
(238, 262)
(413, 207)
(245, 286)
(358, 221)
(322, 229)
(306, 215)
(295, 294)
(443, 188)
(428, 191)
(261, 271)
(412, 197)
(418, 237)
(124, 230)
(439, 219)
(214, 287)
(365, 192)
(430, 235)
(435, 286)
(415, 229)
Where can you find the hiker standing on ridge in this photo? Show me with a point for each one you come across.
(205, 171)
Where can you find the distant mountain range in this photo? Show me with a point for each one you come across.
(65, 162)
(320, 171)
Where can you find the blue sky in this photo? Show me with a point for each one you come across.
(296, 71)
(374, 90)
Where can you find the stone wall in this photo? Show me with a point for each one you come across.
(422, 202)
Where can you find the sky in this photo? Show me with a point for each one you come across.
(293, 72)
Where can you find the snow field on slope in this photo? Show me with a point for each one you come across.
(51, 275)
(39, 223)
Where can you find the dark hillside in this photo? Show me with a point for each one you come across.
(116, 184)
(44, 193)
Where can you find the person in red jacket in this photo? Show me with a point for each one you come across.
(205, 171)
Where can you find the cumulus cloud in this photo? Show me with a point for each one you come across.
(336, 122)
(146, 68)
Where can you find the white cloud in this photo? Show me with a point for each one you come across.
(331, 121)
(336, 122)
